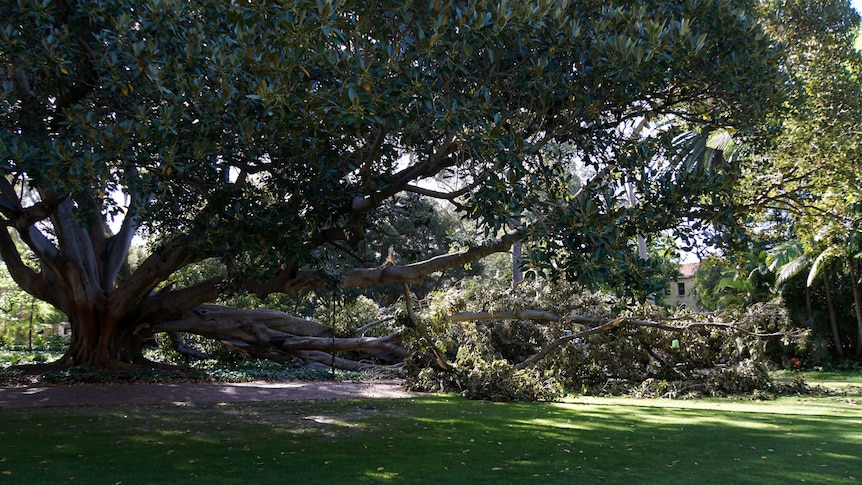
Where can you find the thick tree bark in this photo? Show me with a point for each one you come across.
(102, 341)
(227, 321)
(109, 317)
(276, 335)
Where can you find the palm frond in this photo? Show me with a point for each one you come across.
(721, 140)
(827, 256)
(792, 268)
(783, 254)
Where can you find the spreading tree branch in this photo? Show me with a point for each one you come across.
(117, 248)
(438, 161)
(28, 279)
(436, 194)
(162, 263)
(82, 275)
(364, 277)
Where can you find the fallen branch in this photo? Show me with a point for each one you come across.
(604, 325)
(361, 330)
(314, 358)
(390, 343)
(564, 340)
(734, 326)
(421, 332)
(515, 315)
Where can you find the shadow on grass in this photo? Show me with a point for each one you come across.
(438, 439)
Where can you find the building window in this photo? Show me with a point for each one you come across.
(680, 289)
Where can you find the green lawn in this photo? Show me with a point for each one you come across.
(833, 380)
(439, 439)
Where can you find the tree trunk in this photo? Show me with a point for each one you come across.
(833, 323)
(102, 342)
(857, 301)
(517, 272)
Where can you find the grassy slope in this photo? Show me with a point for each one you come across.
(439, 439)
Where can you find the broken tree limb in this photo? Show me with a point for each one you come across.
(602, 325)
(421, 332)
(507, 315)
(325, 360)
(688, 325)
(314, 358)
(368, 326)
(564, 340)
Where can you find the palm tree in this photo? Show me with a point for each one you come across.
(855, 277)
(846, 246)
(790, 258)
(854, 255)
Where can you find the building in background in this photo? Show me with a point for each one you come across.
(681, 290)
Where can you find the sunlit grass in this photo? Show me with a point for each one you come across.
(831, 380)
(439, 439)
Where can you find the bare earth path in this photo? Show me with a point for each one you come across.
(117, 394)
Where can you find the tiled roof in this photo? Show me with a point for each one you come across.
(687, 270)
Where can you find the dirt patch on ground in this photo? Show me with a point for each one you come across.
(118, 394)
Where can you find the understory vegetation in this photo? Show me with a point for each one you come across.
(205, 371)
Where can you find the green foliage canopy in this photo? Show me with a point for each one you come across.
(259, 133)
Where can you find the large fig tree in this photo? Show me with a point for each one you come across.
(261, 133)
